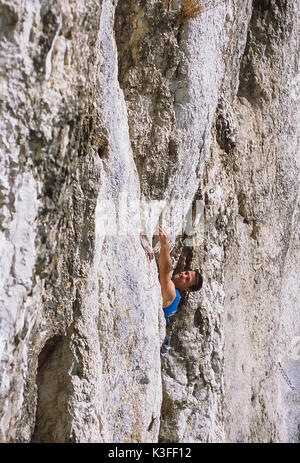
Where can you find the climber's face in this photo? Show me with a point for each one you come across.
(184, 280)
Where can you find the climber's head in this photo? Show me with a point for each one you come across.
(190, 280)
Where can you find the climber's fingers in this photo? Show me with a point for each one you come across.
(163, 234)
(162, 230)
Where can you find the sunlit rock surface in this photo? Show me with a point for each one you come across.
(114, 113)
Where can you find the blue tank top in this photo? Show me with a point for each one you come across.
(172, 308)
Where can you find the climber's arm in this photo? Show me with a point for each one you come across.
(165, 269)
(164, 260)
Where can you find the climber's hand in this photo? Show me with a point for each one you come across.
(163, 236)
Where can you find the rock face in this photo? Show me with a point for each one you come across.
(113, 114)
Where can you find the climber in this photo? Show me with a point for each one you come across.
(172, 288)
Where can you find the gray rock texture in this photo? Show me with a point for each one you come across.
(115, 115)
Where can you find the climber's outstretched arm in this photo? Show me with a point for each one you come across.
(165, 269)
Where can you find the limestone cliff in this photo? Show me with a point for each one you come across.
(113, 111)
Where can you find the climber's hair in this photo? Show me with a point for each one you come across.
(199, 283)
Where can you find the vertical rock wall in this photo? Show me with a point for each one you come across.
(80, 338)
(109, 105)
(266, 157)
